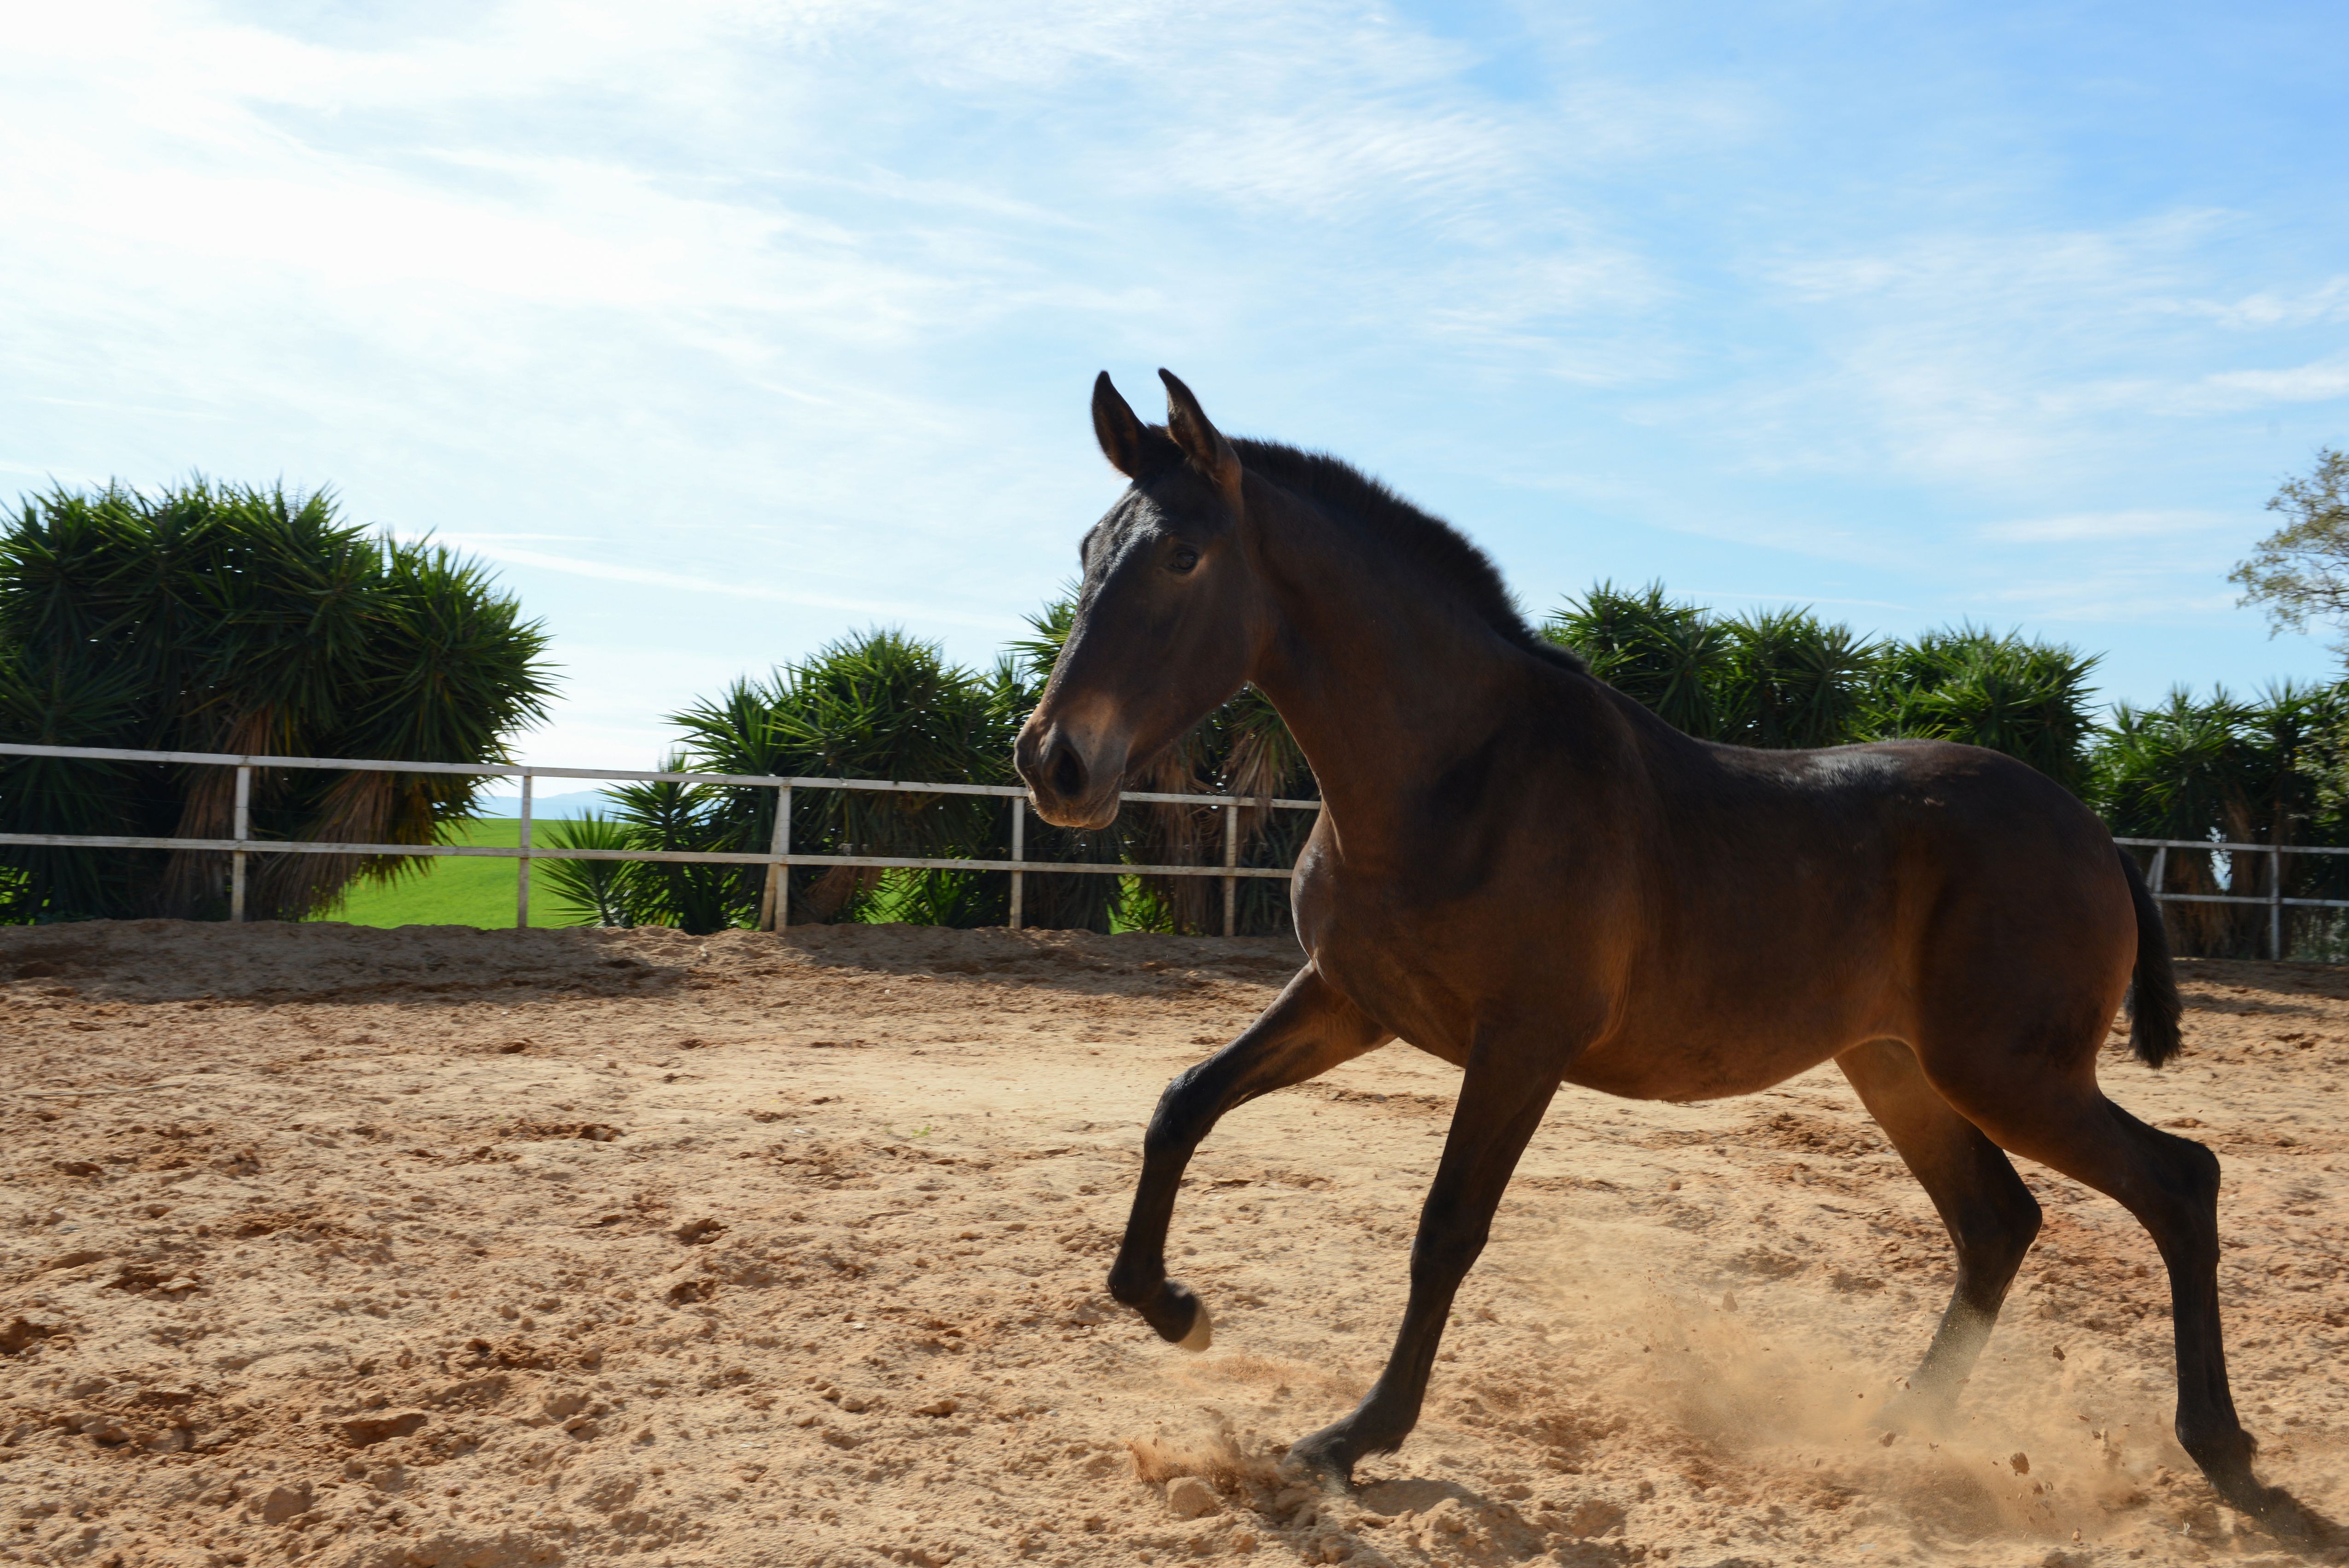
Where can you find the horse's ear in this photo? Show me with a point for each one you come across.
(1201, 442)
(1132, 448)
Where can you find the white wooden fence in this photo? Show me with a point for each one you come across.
(2273, 898)
(778, 858)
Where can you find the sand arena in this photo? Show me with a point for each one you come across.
(322, 1244)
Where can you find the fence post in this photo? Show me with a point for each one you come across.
(1231, 858)
(1018, 852)
(2275, 902)
(521, 867)
(236, 858)
(774, 911)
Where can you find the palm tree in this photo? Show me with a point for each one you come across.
(599, 889)
(2221, 769)
(1794, 681)
(2177, 771)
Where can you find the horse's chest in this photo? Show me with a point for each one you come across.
(1394, 975)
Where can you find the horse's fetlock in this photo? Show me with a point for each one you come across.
(2216, 1446)
(1134, 1286)
(2002, 1251)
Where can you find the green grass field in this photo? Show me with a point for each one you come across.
(459, 890)
(456, 890)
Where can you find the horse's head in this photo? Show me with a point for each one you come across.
(1167, 620)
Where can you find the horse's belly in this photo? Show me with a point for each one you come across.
(1683, 1066)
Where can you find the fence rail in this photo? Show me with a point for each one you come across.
(2274, 899)
(778, 860)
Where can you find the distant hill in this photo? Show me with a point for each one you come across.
(577, 803)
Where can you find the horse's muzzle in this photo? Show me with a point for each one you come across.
(1067, 780)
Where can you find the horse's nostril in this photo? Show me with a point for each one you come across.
(1066, 772)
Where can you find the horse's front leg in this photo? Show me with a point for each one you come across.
(1306, 1030)
(1502, 1099)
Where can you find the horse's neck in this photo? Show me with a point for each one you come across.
(1386, 683)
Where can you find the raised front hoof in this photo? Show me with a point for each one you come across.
(1178, 1316)
(1325, 1460)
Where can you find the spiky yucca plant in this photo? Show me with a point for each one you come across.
(233, 619)
(1786, 677)
(1671, 656)
(2029, 699)
(876, 705)
(2269, 770)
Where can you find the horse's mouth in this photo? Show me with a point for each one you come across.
(1090, 815)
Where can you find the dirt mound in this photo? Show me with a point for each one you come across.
(442, 1247)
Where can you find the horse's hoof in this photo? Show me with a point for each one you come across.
(1917, 1412)
(1174, 1313)
(1320, 1461)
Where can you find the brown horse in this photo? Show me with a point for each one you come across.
(1526, 874)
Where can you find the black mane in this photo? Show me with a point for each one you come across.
(1440, 550)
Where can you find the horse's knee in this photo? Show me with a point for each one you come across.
(1177, 1125)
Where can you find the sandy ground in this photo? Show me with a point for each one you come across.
(433, 1246)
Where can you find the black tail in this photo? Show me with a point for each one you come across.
(2153, 1006)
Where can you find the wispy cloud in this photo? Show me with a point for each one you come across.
(496, 548)
(2106, 527)
(2320, 381)
(2326, 302)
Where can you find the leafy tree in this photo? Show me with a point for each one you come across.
(232, 618)
(2302, 568)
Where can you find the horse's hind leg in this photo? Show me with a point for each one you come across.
(1309, 1029)
(1991, 1216)
(2171, 1185)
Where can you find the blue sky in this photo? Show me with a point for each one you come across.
(725, 329)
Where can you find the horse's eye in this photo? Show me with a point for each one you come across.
(1184, 559)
